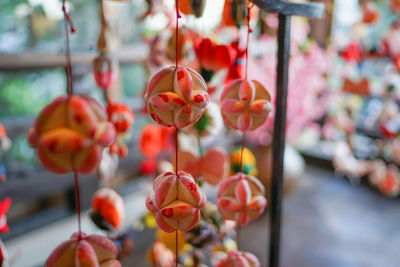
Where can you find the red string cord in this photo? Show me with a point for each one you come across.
(176, 171)
(242, 151)
(68, 27)
(78, 203)
(178, 16)
(249, 30)
(176, 248)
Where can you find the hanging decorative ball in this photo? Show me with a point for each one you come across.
(236, 258)
(160, 256)
(213, 166)
(70, 133)
(91, 250)
(212, 56)
(192, 7)
(235, 12)
(249, 163)
(176, 97)
(121, 116)
(108, 167)
(150, 140)
(245, 104)
(176, 201)
(108, 209)
(105, 70)
(241, 198)
(169, 239)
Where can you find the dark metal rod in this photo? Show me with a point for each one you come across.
(279, 137)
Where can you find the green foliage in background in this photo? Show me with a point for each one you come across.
(26, 93)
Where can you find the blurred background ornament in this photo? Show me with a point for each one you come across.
(238, 258)
(247, 160)
(105, 71)
(70, 133)
(91, 250)
(159, 255)
(107, 209)
(212, 166)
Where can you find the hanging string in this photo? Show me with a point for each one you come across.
(242, 151)
(78, 203)
(68, 27)
(178, 16)
(176, 248)
(249, 30)
(176, 170)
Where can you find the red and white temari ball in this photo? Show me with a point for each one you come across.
(70, 134)
(176, 201)
(245, 104)
(91, 250)
(176, 97)
(241, 198)
(236, 258)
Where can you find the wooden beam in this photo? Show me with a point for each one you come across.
(38, 60)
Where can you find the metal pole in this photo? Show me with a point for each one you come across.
(279, 137)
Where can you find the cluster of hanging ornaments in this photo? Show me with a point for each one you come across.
(245, 105)
(177, 96)
(69, 136)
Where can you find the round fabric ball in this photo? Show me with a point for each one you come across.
(70, 133)
(121, 116)
(91, 250)
(176, 201)
(241, 198)
(236, 258)
(245, 105)
(176, 97)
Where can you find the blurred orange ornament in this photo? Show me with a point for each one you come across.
(70, 133)
(235, 12)
(212, 56)
(109, 206)
(121, 116)
(91, 250)
(150, 141)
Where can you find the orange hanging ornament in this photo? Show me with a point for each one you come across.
(70, 133)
